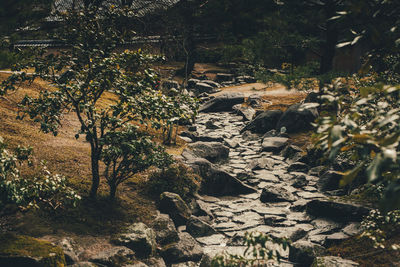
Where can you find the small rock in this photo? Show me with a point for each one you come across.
(329, 181)
(139, 238)
(274, 144)
(187, 249)
(335, 239)
(246, 112)
(173, 205)
(303, 253)
(276, 194)
(298, 167)
(300, 181)
(198, 228)
(113, 256)
(211, 151)
(165, 229)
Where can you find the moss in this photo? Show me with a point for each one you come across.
(46, 254)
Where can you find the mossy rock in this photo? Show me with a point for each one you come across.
(18, 250)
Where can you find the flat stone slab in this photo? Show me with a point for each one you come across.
(274, 144)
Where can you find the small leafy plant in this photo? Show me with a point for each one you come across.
(257, 252)
(44, 190)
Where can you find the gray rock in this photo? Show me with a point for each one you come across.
(155, 262)
(225, 77)
(223, 102)
(337, 211)
(217, 182)
(246, 112)
(68, 246)
(83, 264)
(255, 101)
(173, 205)
(276, 194)
(300, 181)
(211, 151)
(211, 125)
(191, 83)
(211, 83)
(203, 88)
(352, 229)
(332, 261)
(291, 151)
(273, 220)
(335, 239)
(298, 117)
(187, 249)
(303, 253)
(329, 181)
(298, 167)
(197, 228)
(165, 229)
(113, 256)
(246, 79)
(264, 122)
(274, 144)
(139, 238)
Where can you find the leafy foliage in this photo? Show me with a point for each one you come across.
(128, 152)
(366, 126)
(45, 190)
(177, 178)
(86, 73)
(379, 227)
(256, 253)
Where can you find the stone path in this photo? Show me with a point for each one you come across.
(234, 215)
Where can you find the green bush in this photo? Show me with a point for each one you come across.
(177, 178)
(44, 190)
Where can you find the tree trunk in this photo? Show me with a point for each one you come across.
(95, 173)
(113, 190)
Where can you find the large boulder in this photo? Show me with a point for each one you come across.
(217, 182)
(173, 205)
(139, 238)
(26, 251)
(276, 194)
(274, 144)
(165, 229)
(223, 102)
(264, 122)
(212, 151)
(303, 253)
(187, 249)
(332, 261)
(337, 211)
(298, 117)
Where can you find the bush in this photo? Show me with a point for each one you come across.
(44, 190)
(177, 178)
(7, 59)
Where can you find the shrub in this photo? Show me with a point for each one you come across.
(257, 253)
(46, 190)
(177, 178)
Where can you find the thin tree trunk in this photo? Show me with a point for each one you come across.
(113, 190)
(95, 173)
(332, 36)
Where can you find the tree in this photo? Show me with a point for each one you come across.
(82, 75)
